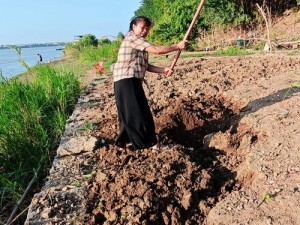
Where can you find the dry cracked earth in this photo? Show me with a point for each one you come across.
(229, 150)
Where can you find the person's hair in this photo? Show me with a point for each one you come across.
(138, 19)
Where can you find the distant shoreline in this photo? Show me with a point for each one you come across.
(35, 45)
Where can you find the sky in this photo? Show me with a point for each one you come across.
(43, 21)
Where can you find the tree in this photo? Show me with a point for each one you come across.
(175, 18)
(223, 12)
(87, 40)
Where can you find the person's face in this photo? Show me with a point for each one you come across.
(141, 29)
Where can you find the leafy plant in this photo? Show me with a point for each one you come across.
(77, 183)
(266, 197)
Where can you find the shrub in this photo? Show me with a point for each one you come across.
(87, 40)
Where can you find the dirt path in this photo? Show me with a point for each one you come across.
(229, 130)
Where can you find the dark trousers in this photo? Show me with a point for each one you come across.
(135, 118)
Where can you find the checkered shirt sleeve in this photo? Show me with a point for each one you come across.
(132, 59)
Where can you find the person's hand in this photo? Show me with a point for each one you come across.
(168, 71)
(182, 44)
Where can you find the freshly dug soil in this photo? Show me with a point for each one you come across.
(229, 150)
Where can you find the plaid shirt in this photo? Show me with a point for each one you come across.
(132, 59)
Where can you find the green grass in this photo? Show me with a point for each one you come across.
(73, 66)
(32, 120)
(294, 52)
(233, 51)
(83, 59)
(106, 52)
(90, 55)
(192, 55)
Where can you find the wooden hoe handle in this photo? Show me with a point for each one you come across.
(187, 34)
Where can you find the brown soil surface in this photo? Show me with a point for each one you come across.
(229, 132)
(247, 115)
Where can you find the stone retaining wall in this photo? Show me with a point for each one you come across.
(61, 199)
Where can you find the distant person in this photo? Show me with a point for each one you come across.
(40, 59)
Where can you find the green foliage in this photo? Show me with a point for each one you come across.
(172, 18)
(295, 85)
(173, 25)
(153, 9)
(32, 120)
(106, 52)
(72, 50)
(223, 12)
(87, 41)
(104, 41)
(231, 51)
(191, 55)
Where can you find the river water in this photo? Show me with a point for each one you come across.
(10, 65)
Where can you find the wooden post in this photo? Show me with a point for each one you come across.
(267, 24)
